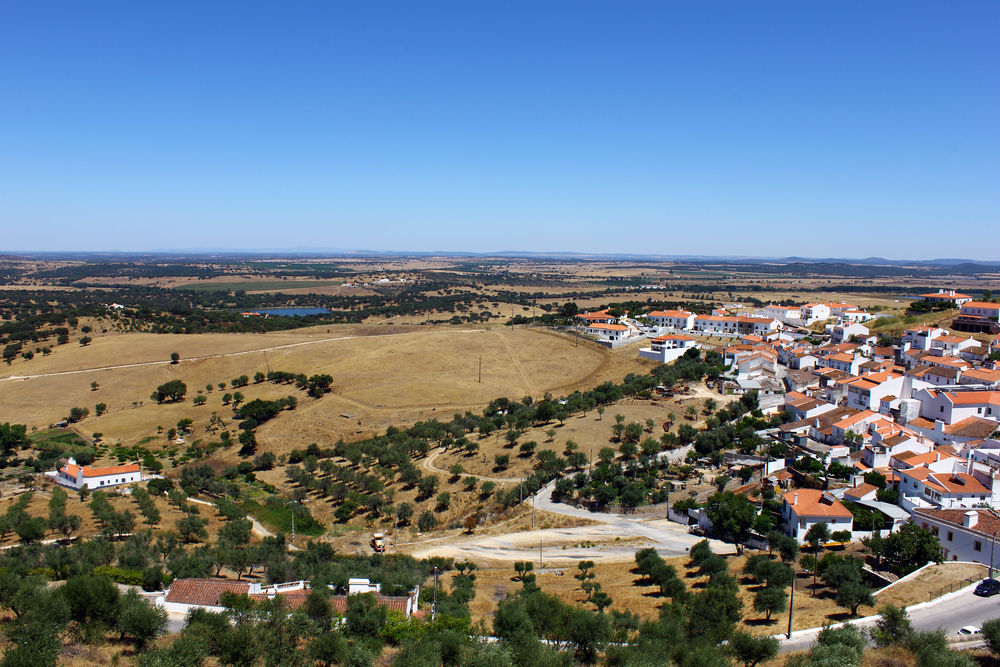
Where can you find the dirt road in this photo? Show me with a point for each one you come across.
(616, 539)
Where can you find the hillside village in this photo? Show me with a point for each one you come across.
(921, 411)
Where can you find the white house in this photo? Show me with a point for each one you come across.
(990, 311)
(946, 295)
(946, 489)
(920, 338)
(609, 331)
(185, 595)
(671, 319)
(804, 508)
(980, 376)
(954, 406)
(76, 476)
(667, 348)
(840, 333)
(964, 534)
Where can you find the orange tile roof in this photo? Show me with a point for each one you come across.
(813, 502)
(610, 327)
(973, 397)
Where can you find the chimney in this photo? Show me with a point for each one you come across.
(938, 426)
(795, 500)
(971, 519)
(938, 458)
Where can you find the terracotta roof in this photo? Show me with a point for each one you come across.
(981, 304)
(813, 502)
(72, 470)
(610, 327)
(670, 313)
(987, 375)
(947, 482)
(204, 592)
(988, 523)
(672, 337)
(973, 397)
(861, 491)
(973, 427)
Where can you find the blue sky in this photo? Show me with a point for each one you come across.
(769, 129)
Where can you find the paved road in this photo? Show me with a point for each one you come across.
(951, 614)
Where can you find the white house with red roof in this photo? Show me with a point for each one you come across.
(76, 476)
(954, 406)
(667, 348)
(681, 320)
(964, 535)
(609, 331)
(990, 311)
(946, 295)
(803, 509)
(946, 489)
(597, 317)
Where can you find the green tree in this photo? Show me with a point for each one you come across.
(853, 594)
(732, 516)
(139, 620)
(817, 535)
(174, 357)
(770, 601)
(893, 627)
(426, 522)
(172, 391)
(752, 650)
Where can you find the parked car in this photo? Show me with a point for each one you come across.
(987, 587)
(969, 630)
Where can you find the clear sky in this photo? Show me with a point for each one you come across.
(847, 129)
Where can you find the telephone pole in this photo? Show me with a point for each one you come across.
(791, 608)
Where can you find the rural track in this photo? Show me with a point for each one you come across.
(428, 464)
(139, 364)
(517, 364)
(670, 539)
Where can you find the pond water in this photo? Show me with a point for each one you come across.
(291, 312)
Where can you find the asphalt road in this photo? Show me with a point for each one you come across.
(952, 614)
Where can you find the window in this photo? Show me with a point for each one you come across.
(977, 545)
(950, 535)
(942, 408)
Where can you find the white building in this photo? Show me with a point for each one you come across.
(667, 348)
(990, 311)
(805, 508)
(964, 535)
(681, 320)
(841, 333)
(76, 476)
(946, 295)
(609, 331)
(954, 406)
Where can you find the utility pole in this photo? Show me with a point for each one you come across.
(480, 369)
(539, 553)
(293, 524)
(791, 608)
(533, 515)
(434, 609)
(992, 551)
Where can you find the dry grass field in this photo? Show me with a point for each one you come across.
(631, 593)
(384, 377)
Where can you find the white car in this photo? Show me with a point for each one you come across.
(969, 630)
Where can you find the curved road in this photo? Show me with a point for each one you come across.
(669, 539)
(428, 464)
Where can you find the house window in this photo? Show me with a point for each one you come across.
(977, 546)
(942, 408)
(950, 535)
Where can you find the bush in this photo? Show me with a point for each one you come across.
(119, 576)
